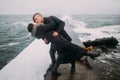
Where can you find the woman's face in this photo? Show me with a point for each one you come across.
(38, 18)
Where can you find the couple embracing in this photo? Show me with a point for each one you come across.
(51, 30)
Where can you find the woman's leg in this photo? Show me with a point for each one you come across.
(93, 54)
(84, 52)
(54, 70)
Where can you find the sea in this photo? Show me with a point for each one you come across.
(14, 37)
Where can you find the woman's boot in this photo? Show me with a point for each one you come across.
(93, 54)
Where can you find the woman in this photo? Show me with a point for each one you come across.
(68, 52)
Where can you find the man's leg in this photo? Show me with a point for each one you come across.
(73, 67)
(52, 55)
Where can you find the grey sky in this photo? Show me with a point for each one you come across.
(60, 6)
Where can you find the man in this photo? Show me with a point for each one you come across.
(59, 29)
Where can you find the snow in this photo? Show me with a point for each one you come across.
(30, 64)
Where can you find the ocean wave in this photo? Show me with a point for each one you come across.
(25, 38)
(98, 32)
(13, 44)
(106, 58)
(2, 46)
(20, 23)
(9, 44)
(115, 55)
(68, 19)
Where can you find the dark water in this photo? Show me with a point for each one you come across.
(94, 21)
(14, 37)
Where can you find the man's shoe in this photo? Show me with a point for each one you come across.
(72, 70)
(56, 73)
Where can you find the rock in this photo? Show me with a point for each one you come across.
(81, 73)
(110, 42)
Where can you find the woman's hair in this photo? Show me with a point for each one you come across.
(30, 27)
(35, 15)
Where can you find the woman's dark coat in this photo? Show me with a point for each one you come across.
(68, 52)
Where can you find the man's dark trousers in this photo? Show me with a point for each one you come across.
(52, 53)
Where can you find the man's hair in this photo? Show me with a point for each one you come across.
(30, 27)
(35, 15)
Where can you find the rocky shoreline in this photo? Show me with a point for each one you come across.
(108, 67)
(105, 67)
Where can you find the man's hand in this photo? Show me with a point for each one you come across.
(55, 33)
(45, 40)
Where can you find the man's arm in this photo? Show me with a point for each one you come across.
(61, 29)
(59, 23)
(49, 24)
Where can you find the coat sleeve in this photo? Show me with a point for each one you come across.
(48, 28)
(43, 29)
(59, 23)
(50, 25)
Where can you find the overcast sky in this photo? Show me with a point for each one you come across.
(60, 6)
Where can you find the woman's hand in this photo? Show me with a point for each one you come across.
(55, 33)
(45, 40)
